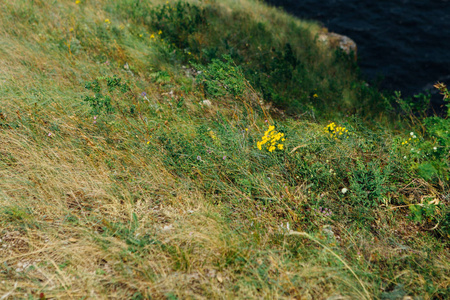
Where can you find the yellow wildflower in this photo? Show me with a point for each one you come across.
(336, 131)
(212, 135)
(272, 139)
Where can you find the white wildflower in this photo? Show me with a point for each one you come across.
(206, 103)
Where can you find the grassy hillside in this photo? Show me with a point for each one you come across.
(208, 150)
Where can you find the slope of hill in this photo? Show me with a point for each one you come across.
(208, 149)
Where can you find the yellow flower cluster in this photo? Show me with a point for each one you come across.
(336, 131)
(412, 136)
(271, 140)
(212, 135)
(152, 36)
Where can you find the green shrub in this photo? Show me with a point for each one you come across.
(416, 105)
(177, 21)
(432, 214)
(221, 77)
(104, 89)
(368, 183)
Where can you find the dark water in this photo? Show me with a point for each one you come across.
(405, 42)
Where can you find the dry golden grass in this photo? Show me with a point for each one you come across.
(88, 211)
(58, 195)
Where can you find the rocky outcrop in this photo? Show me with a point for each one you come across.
(334, 40)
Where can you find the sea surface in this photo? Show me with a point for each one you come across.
(403, 45)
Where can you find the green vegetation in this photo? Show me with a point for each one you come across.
(215, 149)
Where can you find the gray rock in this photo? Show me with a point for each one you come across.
(334, 40)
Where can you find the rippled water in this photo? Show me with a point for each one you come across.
(406, 42)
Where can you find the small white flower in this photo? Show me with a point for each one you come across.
(434, 148)
(411, 133)
(405, 157)
(206, 103)
(344, 190)
(283, 229)
(414, 137)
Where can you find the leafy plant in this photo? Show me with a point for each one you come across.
(160, 77)
(222, 77)
(432, 213)
(177, 21)
(445, 92)
(104, 88)
(368, 183)
(416, 105)
(424, 211)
